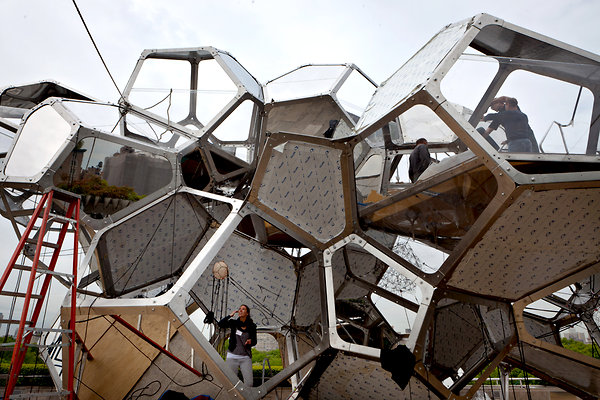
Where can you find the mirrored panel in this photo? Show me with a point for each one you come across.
(40, 138)
(111, 176)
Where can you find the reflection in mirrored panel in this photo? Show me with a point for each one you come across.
(355, 94)
(40, 138)
(304, 82)
(110, 176)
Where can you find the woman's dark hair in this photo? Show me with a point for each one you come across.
(247, 309)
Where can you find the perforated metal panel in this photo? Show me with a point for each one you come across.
(261, 278)
(498, 321)
(355, 378)
(412, 76)
(458, 332)
(364, 266)
(151, 246)
(541, 237)
(303, 183)
(308, 302)
(539, 330)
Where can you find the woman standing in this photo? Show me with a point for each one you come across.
(241, 340)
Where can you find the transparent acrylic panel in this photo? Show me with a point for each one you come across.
(215, 90)
(421, 122)
(143, 127)
(306, 81)
(101, 117)
(110, 176)
(468, 79)
(548, 103)
(355, 94)
(371, 167)
(244, 76)
(42, 136)
(236, 126)
(163, 87)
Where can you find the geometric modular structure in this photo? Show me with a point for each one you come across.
(296, 186)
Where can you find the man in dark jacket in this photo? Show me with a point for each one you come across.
(241, 340)
(419, 160)
(519, 134)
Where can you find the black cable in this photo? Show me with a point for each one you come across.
(97, 50)
(524, 371)
(144, 388)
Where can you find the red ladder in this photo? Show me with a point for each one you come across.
(27, 323)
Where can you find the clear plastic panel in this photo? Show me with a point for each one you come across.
(145, 128)
(355, 93)
(421, 122)
(549, 105)
(236, 126)
(163, 87)
(468, 79)
(42, 136)
(372, 167)
(244, 76)
(110, 176)
(304, 82)
(101, 117)
(215, 90)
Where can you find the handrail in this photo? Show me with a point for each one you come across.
(560, 126)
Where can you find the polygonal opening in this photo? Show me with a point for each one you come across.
(194, 171)
(163, 87)
(466, 82)
(237, 125)
(560, 121)
(355, 94)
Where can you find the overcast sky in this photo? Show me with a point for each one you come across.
(46, 39)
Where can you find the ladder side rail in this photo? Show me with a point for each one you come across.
(23, 240)
(51, 266)
(15, 366)
(71, 370)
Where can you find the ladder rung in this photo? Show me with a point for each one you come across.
(42, 270)
(12, 321)
(18, 294)
(47, 346)
(33, 328)
(39, 394)
(62, 218)
(46, 244)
